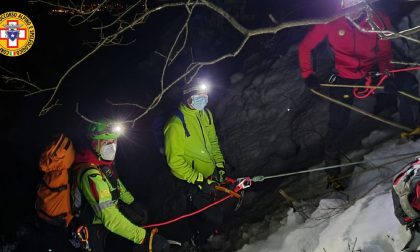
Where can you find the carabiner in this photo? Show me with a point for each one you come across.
(243, 183)
(83, 234)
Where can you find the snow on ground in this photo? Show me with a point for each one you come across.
(362, 221)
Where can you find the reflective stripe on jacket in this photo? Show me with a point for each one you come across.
(98, 192)
(355, 52)
(196, 155)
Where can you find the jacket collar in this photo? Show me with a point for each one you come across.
(187, 111)
(87, 156)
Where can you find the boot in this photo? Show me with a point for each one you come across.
(413, 135)
(335, 183)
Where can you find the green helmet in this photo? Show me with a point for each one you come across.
(103, 131)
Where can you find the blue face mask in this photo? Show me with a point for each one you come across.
(198, 102)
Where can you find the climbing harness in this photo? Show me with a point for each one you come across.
(83, 236)
(369, 89)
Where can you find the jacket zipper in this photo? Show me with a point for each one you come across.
(202, 133)
(354, 49)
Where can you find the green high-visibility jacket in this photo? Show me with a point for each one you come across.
(98, 192)
(195, 157)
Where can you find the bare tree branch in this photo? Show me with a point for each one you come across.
(179, 43)
(83, 116)
(126, 104)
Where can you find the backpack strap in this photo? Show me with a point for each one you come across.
(179, 114)
(209, 116)
(81, 170)
(111, 178)
(54, 189)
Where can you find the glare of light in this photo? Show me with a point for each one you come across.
(288, 109)
(118, 128)
(203, 85)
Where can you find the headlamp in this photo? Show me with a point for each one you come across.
(106, 131)
(200, 85)
(203, 86)
(117, 128)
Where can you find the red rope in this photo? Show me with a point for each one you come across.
(405, 69)
(188, 215)
(369, 91)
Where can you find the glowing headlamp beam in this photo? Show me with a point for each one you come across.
(118, 128)
(203, 85)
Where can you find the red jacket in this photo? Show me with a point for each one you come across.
(355, 52)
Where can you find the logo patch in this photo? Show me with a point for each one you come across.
(17, 34)
(341, 32)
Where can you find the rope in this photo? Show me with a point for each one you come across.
(189, 214)
(371, 87)
(349, 86)
(409, 96)
(354, 175)
(369, 90)
(405, 63)
(396, 125)
(262, 178)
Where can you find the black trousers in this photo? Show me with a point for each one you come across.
(408, 108)
(186, 198)
(338, 120)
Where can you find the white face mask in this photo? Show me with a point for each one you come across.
(108, 151)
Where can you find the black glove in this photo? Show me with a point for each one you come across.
(219, 174)
(312, 82)
(159, 244)
(207, 186)
(390, 87)
(139, 213)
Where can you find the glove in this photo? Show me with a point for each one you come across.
(207, 186)
(390, 87)
(219, 173)
(139, 215)
(159, 244)
(312, 82)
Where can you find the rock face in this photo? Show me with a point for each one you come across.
(269, 122)
(268, 118)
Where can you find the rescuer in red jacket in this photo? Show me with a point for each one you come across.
(355, 53)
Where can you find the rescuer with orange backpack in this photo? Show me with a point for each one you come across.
(97, 201)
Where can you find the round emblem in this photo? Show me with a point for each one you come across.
(341, 32)
(17, 34)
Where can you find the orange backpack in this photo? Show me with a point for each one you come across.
(53, 203)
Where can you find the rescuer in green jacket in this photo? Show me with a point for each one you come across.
(114, 208)
(193, 154)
